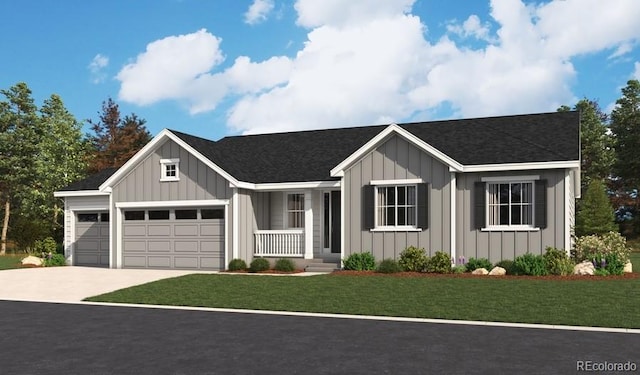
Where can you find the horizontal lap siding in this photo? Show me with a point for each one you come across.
(397, 159)
(496, 246)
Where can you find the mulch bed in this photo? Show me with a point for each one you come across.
(268, 272)
(626, 276)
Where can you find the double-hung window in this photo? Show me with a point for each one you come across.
(169, 170)
(295, 210)
(396, 206)
(510, 204)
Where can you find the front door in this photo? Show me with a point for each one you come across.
(331, 222)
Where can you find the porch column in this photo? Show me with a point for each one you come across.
(308, 225)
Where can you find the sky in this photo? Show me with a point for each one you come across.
(214, 68)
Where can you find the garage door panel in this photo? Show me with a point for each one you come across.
(211, 247)
(155, 246)
(211, 229)
(104, 231)
(185, 262)
(135, 230)
(88, 245)
(134, 261)
(88, 230)
(87, 258)
(159, 262)
(190, 230)
(186, 246)
(210, 262)
(134, 246)
(159, 230)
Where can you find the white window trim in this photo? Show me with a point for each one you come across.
(510, 180)
(164, 163)
(286, 208)
(394, 228)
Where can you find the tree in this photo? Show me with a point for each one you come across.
(597, 152)
(19, 135)
(116, 139)
(595, 215)
(625, 125)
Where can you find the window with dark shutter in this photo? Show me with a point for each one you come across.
(368, 206)
(423, 206)
(541, 204)
(479, 204)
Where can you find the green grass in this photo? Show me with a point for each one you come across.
(10, 261)
(635, 261)
(604, 303)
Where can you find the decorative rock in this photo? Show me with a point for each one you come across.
(32, 260)
(480, 271)
(498, 271)
(584, 268)
(628, 268)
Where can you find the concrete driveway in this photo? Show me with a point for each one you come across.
(73, 283)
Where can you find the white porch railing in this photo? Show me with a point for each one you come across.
(283, 243)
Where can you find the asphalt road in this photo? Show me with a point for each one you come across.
(47, 338)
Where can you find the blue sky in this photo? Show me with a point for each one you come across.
(216, 68)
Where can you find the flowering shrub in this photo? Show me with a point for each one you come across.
(590, 247)
(608, 264)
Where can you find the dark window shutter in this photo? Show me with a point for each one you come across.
(368, 207)
(541, 204)
(423, 206)
(479, 204)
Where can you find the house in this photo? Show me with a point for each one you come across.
(494, 188)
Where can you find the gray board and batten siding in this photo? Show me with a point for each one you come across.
(397, 159)
(197, 181)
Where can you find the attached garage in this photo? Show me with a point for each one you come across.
(92, 239)
(173, 238)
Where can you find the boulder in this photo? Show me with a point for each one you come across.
(584, 268)
(497, 271)
(628, 268)
(32, 261)
(480, 271)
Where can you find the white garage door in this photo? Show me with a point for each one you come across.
(92, 239)
(180, 238)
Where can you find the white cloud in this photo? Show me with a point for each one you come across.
(97, 66)
(258, 11)
(367, 62)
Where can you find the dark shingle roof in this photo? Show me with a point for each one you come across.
(92, 182)
(310, 155)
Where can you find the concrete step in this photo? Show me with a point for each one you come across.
(322, 267)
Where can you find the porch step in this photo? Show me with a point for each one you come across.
(320, 266)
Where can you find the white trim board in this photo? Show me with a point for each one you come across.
(186, 203)
(79, 193)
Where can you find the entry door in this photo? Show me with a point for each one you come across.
(331, 221)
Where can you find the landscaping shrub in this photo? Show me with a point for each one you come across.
(259, 265)
(557, 262)
(529, 264)
(389, 266)
(459, 269)
(473, 264)
(608, 264)
(588, 247)
(413, 259)
(285, 265)
(45, 247)
(440, 262)
(237, 265)
(54, 260)
(507, 264)
(360, 262)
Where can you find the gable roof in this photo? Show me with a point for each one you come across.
(307, 156)
(91, 182)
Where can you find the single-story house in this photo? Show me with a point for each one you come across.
(494, 187)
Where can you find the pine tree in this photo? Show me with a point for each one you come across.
(595, 215)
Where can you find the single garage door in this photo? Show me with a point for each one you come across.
(180, 238)
(92, 239)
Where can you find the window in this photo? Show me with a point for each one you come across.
(510, 204)
(159, 215)
(295, 210)
(207, 213)
(186, 214)
(87, 218)
(169, 170)
(134, 215)
(396, 206)
(104, 217)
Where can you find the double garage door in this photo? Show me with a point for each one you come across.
(180, 238)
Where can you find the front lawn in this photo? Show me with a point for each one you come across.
(594, 301)
(10, 261)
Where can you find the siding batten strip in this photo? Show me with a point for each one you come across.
(452, 187)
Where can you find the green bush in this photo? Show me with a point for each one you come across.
(45, 247)
(557, 262)
(389, 266)
(595, 214)
(284, 265)
(26, 231)
(360, 262)
(507, 264)
(54, 260)
(609, 263)
(440, 262)
(588, 247)
(259, 265)
(237, 265)
(413, 259)
(459, 269)
(529, 264)
(473, 264)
